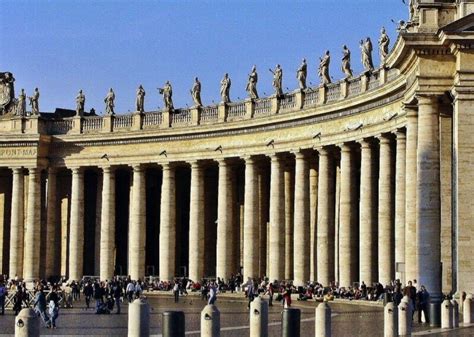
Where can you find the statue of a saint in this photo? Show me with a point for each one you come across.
(366, 47)
(225, 89)
(34, 102)
(277, 80)
(109, 101)
(140, 100)
(167, 92)
(384, 42)
(301, 74)
(196, 92)
(324, 68)
(346, 62)
(252, 84)
(80, 102)
(21, 104)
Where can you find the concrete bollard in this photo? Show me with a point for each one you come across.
(323, 320)
(404, 319)
(173, 324)
(467, 312)
(290, 325)
(27, 324)
(446, 315)
(390, 320)
(455, 305)
(210, 321)
(139, 318)
(259, 318)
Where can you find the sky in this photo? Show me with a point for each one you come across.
(61, 46)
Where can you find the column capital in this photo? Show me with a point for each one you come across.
(167, 165)
(345, 147)
(222, 161)
(76, 170)
(366, 143)
(196, 164)
(427, 98)
(34, 170)
(137, 167)
(249, 160)
(385, 138)
(17, 170)
(323, 150)
(299, 154)
(274, 157)
(108, 169)
(400, 134)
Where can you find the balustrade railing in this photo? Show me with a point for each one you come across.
(288, 103)
(123, 122)
(236, 110)
(209, 114)
(263, 106)
(311, 97)
(92, 123)
(60, 126)
(152, 118)
(180, 117)
(354, 87)
(333, 92)
(373, 81)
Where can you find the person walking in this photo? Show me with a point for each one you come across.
(270, 292)
(40, 306)
(53, 306)
(212, 293)
(3, 295)
(88, 292)
(130, 291)
(176, 291)
(117, 293)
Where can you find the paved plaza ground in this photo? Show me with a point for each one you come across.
(348, 319)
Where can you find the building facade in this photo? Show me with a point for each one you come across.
(367, 179)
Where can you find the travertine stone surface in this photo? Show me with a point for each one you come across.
(225, 234)
(277, 221)
(400, 194)
(168, 224)
(326, 217)
(196, 223)
(16, 229)
(251, 232)
(51, 221)
(368, 214)
(313, 210)
(107, 223)
(76, 230)
(33, 227)
(289, 211)
(137, 229)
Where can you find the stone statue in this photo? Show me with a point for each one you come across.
(366, 48)
(301, 74)
(21, 104)
(384, 42)
(346, 62)
(7, 92)
(324, 68)
(34, 102)
(252, 84)
(225, 89)
(167, 92)
(277, 80)
(80, 102)
(109, 101)
(140, 100)
(196, 92)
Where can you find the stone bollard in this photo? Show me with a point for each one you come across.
(390, 320)
(404, 319)
(323, 320)
(290, 325)
(259, 318)
(455, 305)
(466, 312)
(27, 324)
(173, 324)
(210, 321)
(446, 315)
(139, 318)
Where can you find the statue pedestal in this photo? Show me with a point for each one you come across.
(166, 120)
(222, 112)
(275, 104)
(249, 108)
(195, 115)
(299, 98)
(137, 121)
(344, 88)
(322, 94)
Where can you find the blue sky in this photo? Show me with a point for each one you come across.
(62, 46)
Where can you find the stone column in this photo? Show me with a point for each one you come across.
(428, 203)
(17, 224)
(348, 236)
(107, 221)
(168, 224)
(410, 193)
(301, 221)
(386, 234)
(51, 211)
(225, 233)
(326, 218)
(368, 214)
(400, 193)
(251, 230)
(277, 221)
(76, 229)
(289, 211)
(33, 227)
(196, 223)
(137, 230)
(313, 205)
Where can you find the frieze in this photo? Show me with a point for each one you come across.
(18, 152)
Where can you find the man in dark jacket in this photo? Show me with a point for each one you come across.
(117, 293)
(40, 306)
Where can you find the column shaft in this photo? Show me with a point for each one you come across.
(17, 224)
(400, 194)
(301, 221)
(51, 211)
(289, 211)
(33, 227)
(76, 230)
(368, 215)
(410, 193)
(137, 231)
(428, 202)
(196, 223)
(107, 225)
(225, 232)
(313, 204)
(326, 218)
(386, 232)
(168, 224)
(277, 221)
(251, 230)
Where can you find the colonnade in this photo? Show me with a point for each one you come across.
(363, 210)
